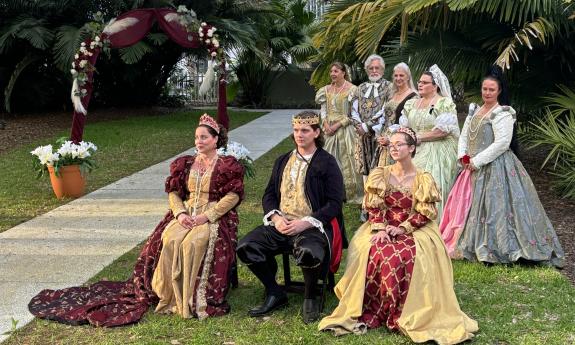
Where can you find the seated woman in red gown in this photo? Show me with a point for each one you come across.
(398, 273)
(204, 191)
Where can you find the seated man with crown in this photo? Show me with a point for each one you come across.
(303, 215)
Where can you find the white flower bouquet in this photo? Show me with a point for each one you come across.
(69, 153)
(241, 153)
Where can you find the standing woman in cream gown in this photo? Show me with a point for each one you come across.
(434, 118)
(340, 135)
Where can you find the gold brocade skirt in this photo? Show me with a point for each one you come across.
(431, 310)
(341, 145)
(177, 280)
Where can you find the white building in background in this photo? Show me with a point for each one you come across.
(318, 7)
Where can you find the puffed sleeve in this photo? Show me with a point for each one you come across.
(179, 170)
(230, 177)
(502, 120)
(424, 208)
(375, 187)
(374, 198)
(353, 98)
(403, 121)
(446, 120)
(321, 99)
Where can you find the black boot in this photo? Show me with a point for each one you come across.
(310, 310)
(271, 303)
(275, 296)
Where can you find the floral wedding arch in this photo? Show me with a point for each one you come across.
(181, 26)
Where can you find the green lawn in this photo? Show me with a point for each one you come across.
(124, 147)
(513, 304)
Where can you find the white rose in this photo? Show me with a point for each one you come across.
(203, 24)
(201, 34)
(83, 63)
(76, 57)
(207, 41)
(83, 44)
(73, 71)
(97, 38)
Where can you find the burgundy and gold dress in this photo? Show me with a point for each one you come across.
(110, 304)
(405, 284)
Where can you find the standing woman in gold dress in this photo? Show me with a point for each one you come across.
(340, 135)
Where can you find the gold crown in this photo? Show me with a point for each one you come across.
(313, 120)
(407, 131)
(210, 122)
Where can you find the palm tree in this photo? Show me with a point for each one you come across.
(284, 40)
(37, 35)
(533, 40)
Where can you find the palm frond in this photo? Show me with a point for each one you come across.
(68, 39)
(133, 54)
(538, 30)
(157, 38)
(29, 29)
(28, 60)
(561, 102)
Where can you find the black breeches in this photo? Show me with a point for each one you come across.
(259, 248)
(309, 247)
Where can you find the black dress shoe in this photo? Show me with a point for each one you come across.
(271, 303)
(310, 310)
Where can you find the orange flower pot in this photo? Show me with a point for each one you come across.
(70, 183)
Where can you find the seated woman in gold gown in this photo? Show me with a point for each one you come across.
(398, 273)
(177, 263)
(199, 244)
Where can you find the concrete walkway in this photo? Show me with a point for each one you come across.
(67, 246)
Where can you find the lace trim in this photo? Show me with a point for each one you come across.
(206, 270)
(267, 221)
(314, 222)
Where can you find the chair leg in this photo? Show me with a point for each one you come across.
(287, 273)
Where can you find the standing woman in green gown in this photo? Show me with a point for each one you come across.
(434, 117)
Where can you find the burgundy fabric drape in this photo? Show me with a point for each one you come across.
(132, 34)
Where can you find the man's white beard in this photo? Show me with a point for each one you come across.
(375, 78)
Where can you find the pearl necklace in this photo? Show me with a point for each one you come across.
(202, 173)
(474, 132)
(336, 93)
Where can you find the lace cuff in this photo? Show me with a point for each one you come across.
(212, 215)
(267, 218)
(447, 122)
(314, 222)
